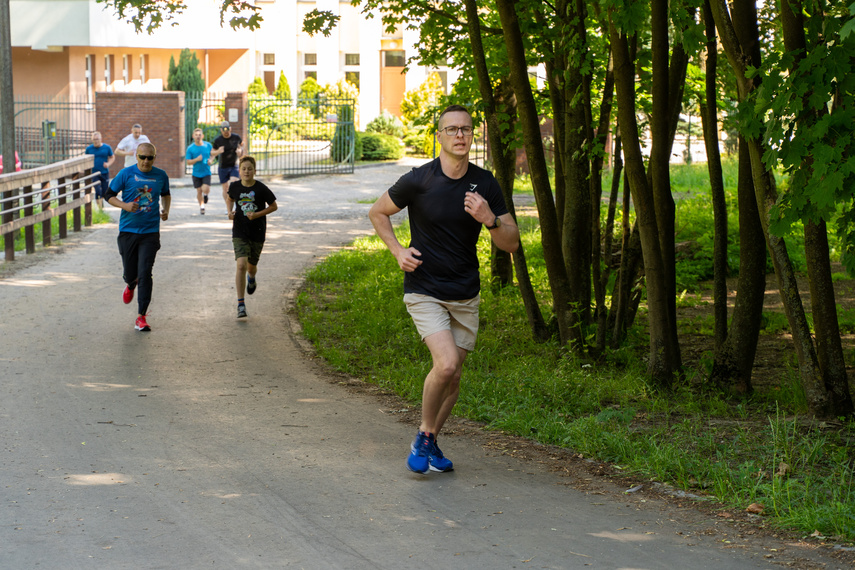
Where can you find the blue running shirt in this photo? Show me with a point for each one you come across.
(201, 168)
(145, 188)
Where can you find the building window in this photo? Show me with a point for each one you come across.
(108, 72)
(270, 59)
(143, 68)
(90, 79)
(310, 59)
(126, 69)
(312, 74)
(394, 58)
(352, 77)
(351, 59)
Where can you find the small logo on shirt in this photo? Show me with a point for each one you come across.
(472, 187)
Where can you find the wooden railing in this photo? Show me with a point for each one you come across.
(53, 190)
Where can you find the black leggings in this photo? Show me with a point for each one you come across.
(138, 252)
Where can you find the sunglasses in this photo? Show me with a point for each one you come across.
(145, 156)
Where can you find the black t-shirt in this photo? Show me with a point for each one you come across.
(444, 233)
(250, 199)
(231, 144)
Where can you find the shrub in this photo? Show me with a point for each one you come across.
(283, 90)
(381, 147)
(257, 87)
(430, 146)
(345, 132)
(386, 124)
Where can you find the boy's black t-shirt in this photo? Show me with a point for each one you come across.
(444, 233)
(250, 199)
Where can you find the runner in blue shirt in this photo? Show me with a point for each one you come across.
(199, 155)
(143, 188)
(104, 158)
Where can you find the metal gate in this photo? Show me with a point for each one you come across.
(50, 129)
(306, 136)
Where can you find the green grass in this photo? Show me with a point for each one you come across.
(694, 438)
(98, 217)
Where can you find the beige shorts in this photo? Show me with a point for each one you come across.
(432, 316)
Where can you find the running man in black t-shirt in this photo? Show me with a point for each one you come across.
(230, 146)
(248, 201)
(448, 200)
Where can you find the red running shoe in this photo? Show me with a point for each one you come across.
(128, 295)
(141, 325)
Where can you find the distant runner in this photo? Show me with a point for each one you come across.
(199, 155)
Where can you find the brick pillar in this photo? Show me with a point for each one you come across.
(161, 116)
(237, 100)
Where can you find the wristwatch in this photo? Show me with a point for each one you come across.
(496, 223)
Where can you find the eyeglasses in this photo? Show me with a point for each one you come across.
(452, 131)
(145, 156)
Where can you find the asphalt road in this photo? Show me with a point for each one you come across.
(217, 443)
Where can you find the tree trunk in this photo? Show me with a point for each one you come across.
(828, 346)
(555, 268)
(734, 359)
(829, 349)
(709, 123)
(660, 171)
(576, 231)
(734, 351)
(504, 164)
(661, 359)
(601, 256)
(766, 195)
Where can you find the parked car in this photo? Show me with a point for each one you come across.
(17, 163)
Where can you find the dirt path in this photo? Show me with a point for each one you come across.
(213, 442)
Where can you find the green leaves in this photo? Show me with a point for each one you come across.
(149, 15)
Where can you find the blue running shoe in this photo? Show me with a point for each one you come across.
(421, 448)
(437, 460)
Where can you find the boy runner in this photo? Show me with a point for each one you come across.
(248, 202)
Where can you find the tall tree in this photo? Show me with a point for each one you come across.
(568, 322)
(812, 377)
(662, 360)
(735, 348)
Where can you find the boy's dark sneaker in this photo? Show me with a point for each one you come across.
(420, 449)
(205, 198)
(127, 295)
(141, 325)
(437, 460)
(250, 286)
(241, 311)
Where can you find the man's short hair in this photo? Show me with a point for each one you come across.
(453, 109)
(147, 145)
(198, 129)
(136, 126)
(247, 158)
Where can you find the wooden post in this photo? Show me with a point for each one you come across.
(87, 218)
(75, 194)
(47, 229)
(8, 239)
(63, 218)
(29, 231)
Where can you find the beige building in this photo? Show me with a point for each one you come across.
(73, 48)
